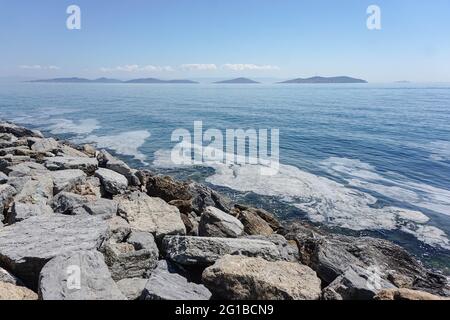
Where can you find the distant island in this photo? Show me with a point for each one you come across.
(343, 79)
(107, 80)
(238, 81)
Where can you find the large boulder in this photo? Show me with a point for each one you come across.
(132, 288)
(243, 278)
(330, 255)
(134, 258)
(25, 247)
(149, 214)
(204, 251)
(406, 294)
(119, 166)
(37, 189)
(81, 275)
(3, 178)
(9, 291)
(356, 284)
(65, 180)
(288, 249)
(69, 203)
(165, 285)
(266, 216)
(7, 127)
(112, 182)
(216, 223)
(101, 207)
(88, 165)
(254, 224)
(44, 145)
(26, 168)
(21, 211)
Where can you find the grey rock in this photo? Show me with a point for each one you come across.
(88, 165)
(3, 178)
(119, 166)
(356, 284)
(101, 207)
(149, 214)
(7, 193)
(132, 259)
(164, 285)
(7, 277)
(65, 180)
(132, 288)
(243, 278)
(216, 223)
(67, 203)
(202, 251)
(288, 250)
(112, 182)
(81, 275)
(37, 190)
(26, 168)
(6, 127)
(45, 145)
(118, 230)
(26, 246)
(67, 151)
(21, 211)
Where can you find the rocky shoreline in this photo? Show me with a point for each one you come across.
(78, 223)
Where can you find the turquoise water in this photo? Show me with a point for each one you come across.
(364, 159)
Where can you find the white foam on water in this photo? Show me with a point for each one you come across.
(79, 127)
(327, 201)
(126, 143)
(440, 150)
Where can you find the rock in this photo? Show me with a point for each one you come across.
(91, 187)
(254, 225)
(6, 127)
(288, 251)
(9, 291)
(26, 168)
(132, 259)
(203, 197)
(68, 203)
(37, 190)
(149, 214)
(164, 285)
(132, 288)
(21, 211)
(201, 251)
(7, 277)
(116, 165)
(65, 180)
(356, 284)
(101, 207)
(243, 278)
(7, 193)
(112, 182)
(88, 165)
(269, 218)
(216, 223)
(81, 275)
(3, 178)
(330, 255)
(45, 145)
(68, 151)
(26, 246)
(118, 230)
(89, 150)
(406, 294)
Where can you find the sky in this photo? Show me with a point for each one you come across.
(226, 38)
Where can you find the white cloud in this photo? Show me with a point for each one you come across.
(137, 68)
(38, 67)
(248, 66)
(198, 67)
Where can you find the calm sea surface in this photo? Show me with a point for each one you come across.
(358, 159)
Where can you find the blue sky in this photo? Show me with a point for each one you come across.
(211, 38)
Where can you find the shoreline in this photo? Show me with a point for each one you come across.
(145, 230)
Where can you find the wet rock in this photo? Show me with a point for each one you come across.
(149, 214)
(132, 288)
(26, 246)
(254, 225)
(203, 197)
(22, 211)
(81, 275)
(202, 251)
(88, 165)
(216, 223)
(65, 180)
(45, 145)
(330, 255)
(243, 278)
(112, 182)
(406, 294)
(356, 284)
(9, 291)
(134, 258)
(164, 285)
(269, 218)
(101, 207)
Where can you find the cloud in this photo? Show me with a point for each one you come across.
(137, 68)
(198, 67)
(247, 66)
(38, 67)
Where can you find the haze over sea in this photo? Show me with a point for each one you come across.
(356, 158)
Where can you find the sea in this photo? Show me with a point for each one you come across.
(359, 159)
